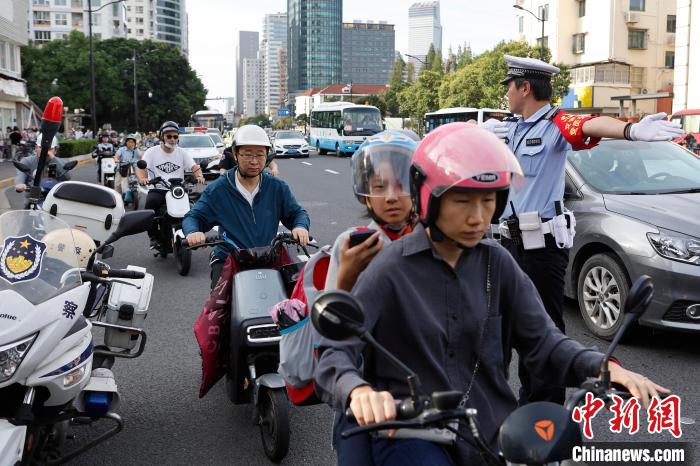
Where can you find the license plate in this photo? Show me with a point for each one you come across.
(292, 151)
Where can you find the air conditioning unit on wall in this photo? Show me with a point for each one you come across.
(631, 17)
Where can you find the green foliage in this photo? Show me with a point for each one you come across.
(162, 70)
(282, 123)
(376, 101)
(397, 72)
(261, 120)
(302, 119)
(560, 82)
(73, 147)
(421, 97)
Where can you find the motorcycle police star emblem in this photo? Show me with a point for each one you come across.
(21, 258)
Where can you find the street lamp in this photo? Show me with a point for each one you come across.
(93, 109)
(419, 59)
(542, 20)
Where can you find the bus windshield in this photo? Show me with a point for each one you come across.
(361, 121)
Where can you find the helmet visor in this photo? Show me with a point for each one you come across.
(382, 171)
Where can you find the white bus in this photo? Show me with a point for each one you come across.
(341, 127)
(451, 115)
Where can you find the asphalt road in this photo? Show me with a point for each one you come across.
(165, 421)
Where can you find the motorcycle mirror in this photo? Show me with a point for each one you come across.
(142, 164)
(337, 315)
(107, 251)
(132, 223)
(70, 165)
(639, 296)
(21, 167)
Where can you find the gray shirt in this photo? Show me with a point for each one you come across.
(430, 315)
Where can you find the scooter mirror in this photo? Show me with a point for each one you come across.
(142, 164)
(639, 296)
(337, 315)
(21, 167)
(70, 165)
(132, 223)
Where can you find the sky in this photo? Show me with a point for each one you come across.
(214, 26)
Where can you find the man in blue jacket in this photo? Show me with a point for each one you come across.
(245, 203)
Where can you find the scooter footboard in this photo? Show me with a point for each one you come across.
(11, 443)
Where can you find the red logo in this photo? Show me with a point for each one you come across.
(545, 429)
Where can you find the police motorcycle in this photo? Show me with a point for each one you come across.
(54, 288)
(266, 275)
(338, 315)
(178, 200)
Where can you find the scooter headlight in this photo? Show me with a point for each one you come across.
(11, 356)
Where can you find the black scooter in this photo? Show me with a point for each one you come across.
(337, 315)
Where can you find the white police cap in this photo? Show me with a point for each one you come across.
(530, 68)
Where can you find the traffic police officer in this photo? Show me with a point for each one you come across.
(541, 138)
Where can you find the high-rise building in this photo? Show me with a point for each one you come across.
(49, 20)
(253, 86)
(368, 52)
(613, 49)
(424, 30)
(274, 40)
(13, 89)
(314, 57)
(247, 48)
(162, 21)
(687, 69)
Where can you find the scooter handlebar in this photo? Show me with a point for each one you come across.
(129, 274)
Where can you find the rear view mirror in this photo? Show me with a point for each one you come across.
(639, 296)
(132, 223)
(142, 164)
(70, 165)
(338, 315)
(219, 145)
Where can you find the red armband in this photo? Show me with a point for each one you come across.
(571, 127)
(614, 361)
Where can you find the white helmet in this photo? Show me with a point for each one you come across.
(251, 135)
(57, 240)
(54, 143)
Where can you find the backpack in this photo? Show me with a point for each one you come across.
(298, 344)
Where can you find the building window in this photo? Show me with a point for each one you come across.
(543, 12)
(77, 4)
(139, 10)
(521, 24)
(637, 39)
(637, 5)
(61, 19)
(59, 2)
(96, 18)
(671, 23)
(41, 37)
(77, 20)
(128, 31)
(579, 43)
(40, 2)
(3, 55)
(139, 32)
(581, 8)
(670, 59)
(139, 20)
(42, 18)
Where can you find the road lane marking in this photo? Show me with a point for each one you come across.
(307, 163)
(332, 171)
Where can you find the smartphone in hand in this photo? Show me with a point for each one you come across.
(360, 236)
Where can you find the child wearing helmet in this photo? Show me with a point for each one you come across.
(463, 304)
(380, 168)
(126, 156)
(103, 149)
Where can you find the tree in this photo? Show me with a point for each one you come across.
(282, 123)
(397, 72)
(376, 101)
(421, 97)
(429, 59)
(302, 120)
(411, 72)
(162, 71)
(436, 63)
(261, 120)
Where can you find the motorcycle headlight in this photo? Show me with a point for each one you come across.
(11, 356)
(677, 248)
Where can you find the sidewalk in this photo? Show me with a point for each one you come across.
(7, 169)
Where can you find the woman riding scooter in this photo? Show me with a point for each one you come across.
(380, 170)
(455, 306)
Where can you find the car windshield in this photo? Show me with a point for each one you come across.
(196, 142)
(361, 122)
(38, 258)
(691, 123)
(289, 135)
(216, 138)
(622, 167)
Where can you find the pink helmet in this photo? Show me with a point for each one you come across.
(462, 156)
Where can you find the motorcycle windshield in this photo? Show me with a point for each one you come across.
(38, 256)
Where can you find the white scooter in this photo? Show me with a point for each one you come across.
(108, 168)
(52, 377)
(178, 200)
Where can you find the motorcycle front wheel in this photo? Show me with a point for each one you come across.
(274, 423)
(183, 257)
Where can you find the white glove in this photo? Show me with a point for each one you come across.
(655, 128)
(497, 127)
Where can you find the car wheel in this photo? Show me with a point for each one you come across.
(602, 290)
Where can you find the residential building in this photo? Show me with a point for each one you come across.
(312, 98)
(314, 56)
(424, 30)
(13, 89)
(159, 20)
(253, 86)
(55, 19)
(687, 58)
(247, 48)
(273, 43)
(368, 52)
(614, 48)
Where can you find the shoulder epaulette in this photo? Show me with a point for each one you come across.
(551, 113)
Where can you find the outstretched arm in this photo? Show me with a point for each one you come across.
(651, 128)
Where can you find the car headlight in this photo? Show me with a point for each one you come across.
(677, 248)
(11, 356)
